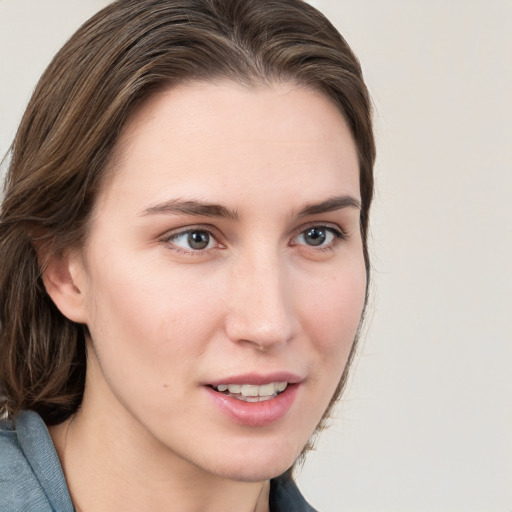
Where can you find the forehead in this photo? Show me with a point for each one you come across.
(197, 138)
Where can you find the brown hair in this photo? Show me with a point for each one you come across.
(82, 102)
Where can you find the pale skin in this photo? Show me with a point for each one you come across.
(269, 281)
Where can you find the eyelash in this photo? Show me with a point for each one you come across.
(338, 236)
(194, 229)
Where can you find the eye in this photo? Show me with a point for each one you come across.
(318, 236)
(193, 240)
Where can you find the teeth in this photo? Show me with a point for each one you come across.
(281, 386)
(266, 390)
(250, 390)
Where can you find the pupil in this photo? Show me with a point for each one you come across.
(315, 236)
(198, 240)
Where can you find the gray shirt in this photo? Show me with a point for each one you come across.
(31, 477)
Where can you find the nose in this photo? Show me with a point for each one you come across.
(260, 312)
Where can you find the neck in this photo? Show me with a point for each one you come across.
(109, 465)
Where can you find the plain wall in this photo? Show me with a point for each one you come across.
(426, 422)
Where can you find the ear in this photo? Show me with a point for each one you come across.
(64, 279)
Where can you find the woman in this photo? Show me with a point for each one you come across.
(185, 268)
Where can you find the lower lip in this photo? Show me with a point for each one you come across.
(255, 414)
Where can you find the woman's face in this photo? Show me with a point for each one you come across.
(224, 260)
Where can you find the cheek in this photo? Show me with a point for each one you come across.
(334, 312)
(147, 313)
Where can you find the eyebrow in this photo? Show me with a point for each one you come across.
(192, 207)
(181, 207)
(331, 204)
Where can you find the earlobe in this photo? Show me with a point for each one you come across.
(63, 279)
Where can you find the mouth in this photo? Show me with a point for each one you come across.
(251, 392)
(255, 399)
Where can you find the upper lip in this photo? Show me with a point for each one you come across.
(258, 379)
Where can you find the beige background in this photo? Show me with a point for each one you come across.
(426, 423)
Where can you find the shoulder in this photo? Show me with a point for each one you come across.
(30, 474)
(19, 487)
(286, 497)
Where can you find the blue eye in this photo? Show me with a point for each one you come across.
(318, 236)
(193, 240)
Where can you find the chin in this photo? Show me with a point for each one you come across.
(254, 472)
(256, 464)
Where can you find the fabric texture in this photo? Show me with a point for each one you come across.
(31, 477)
